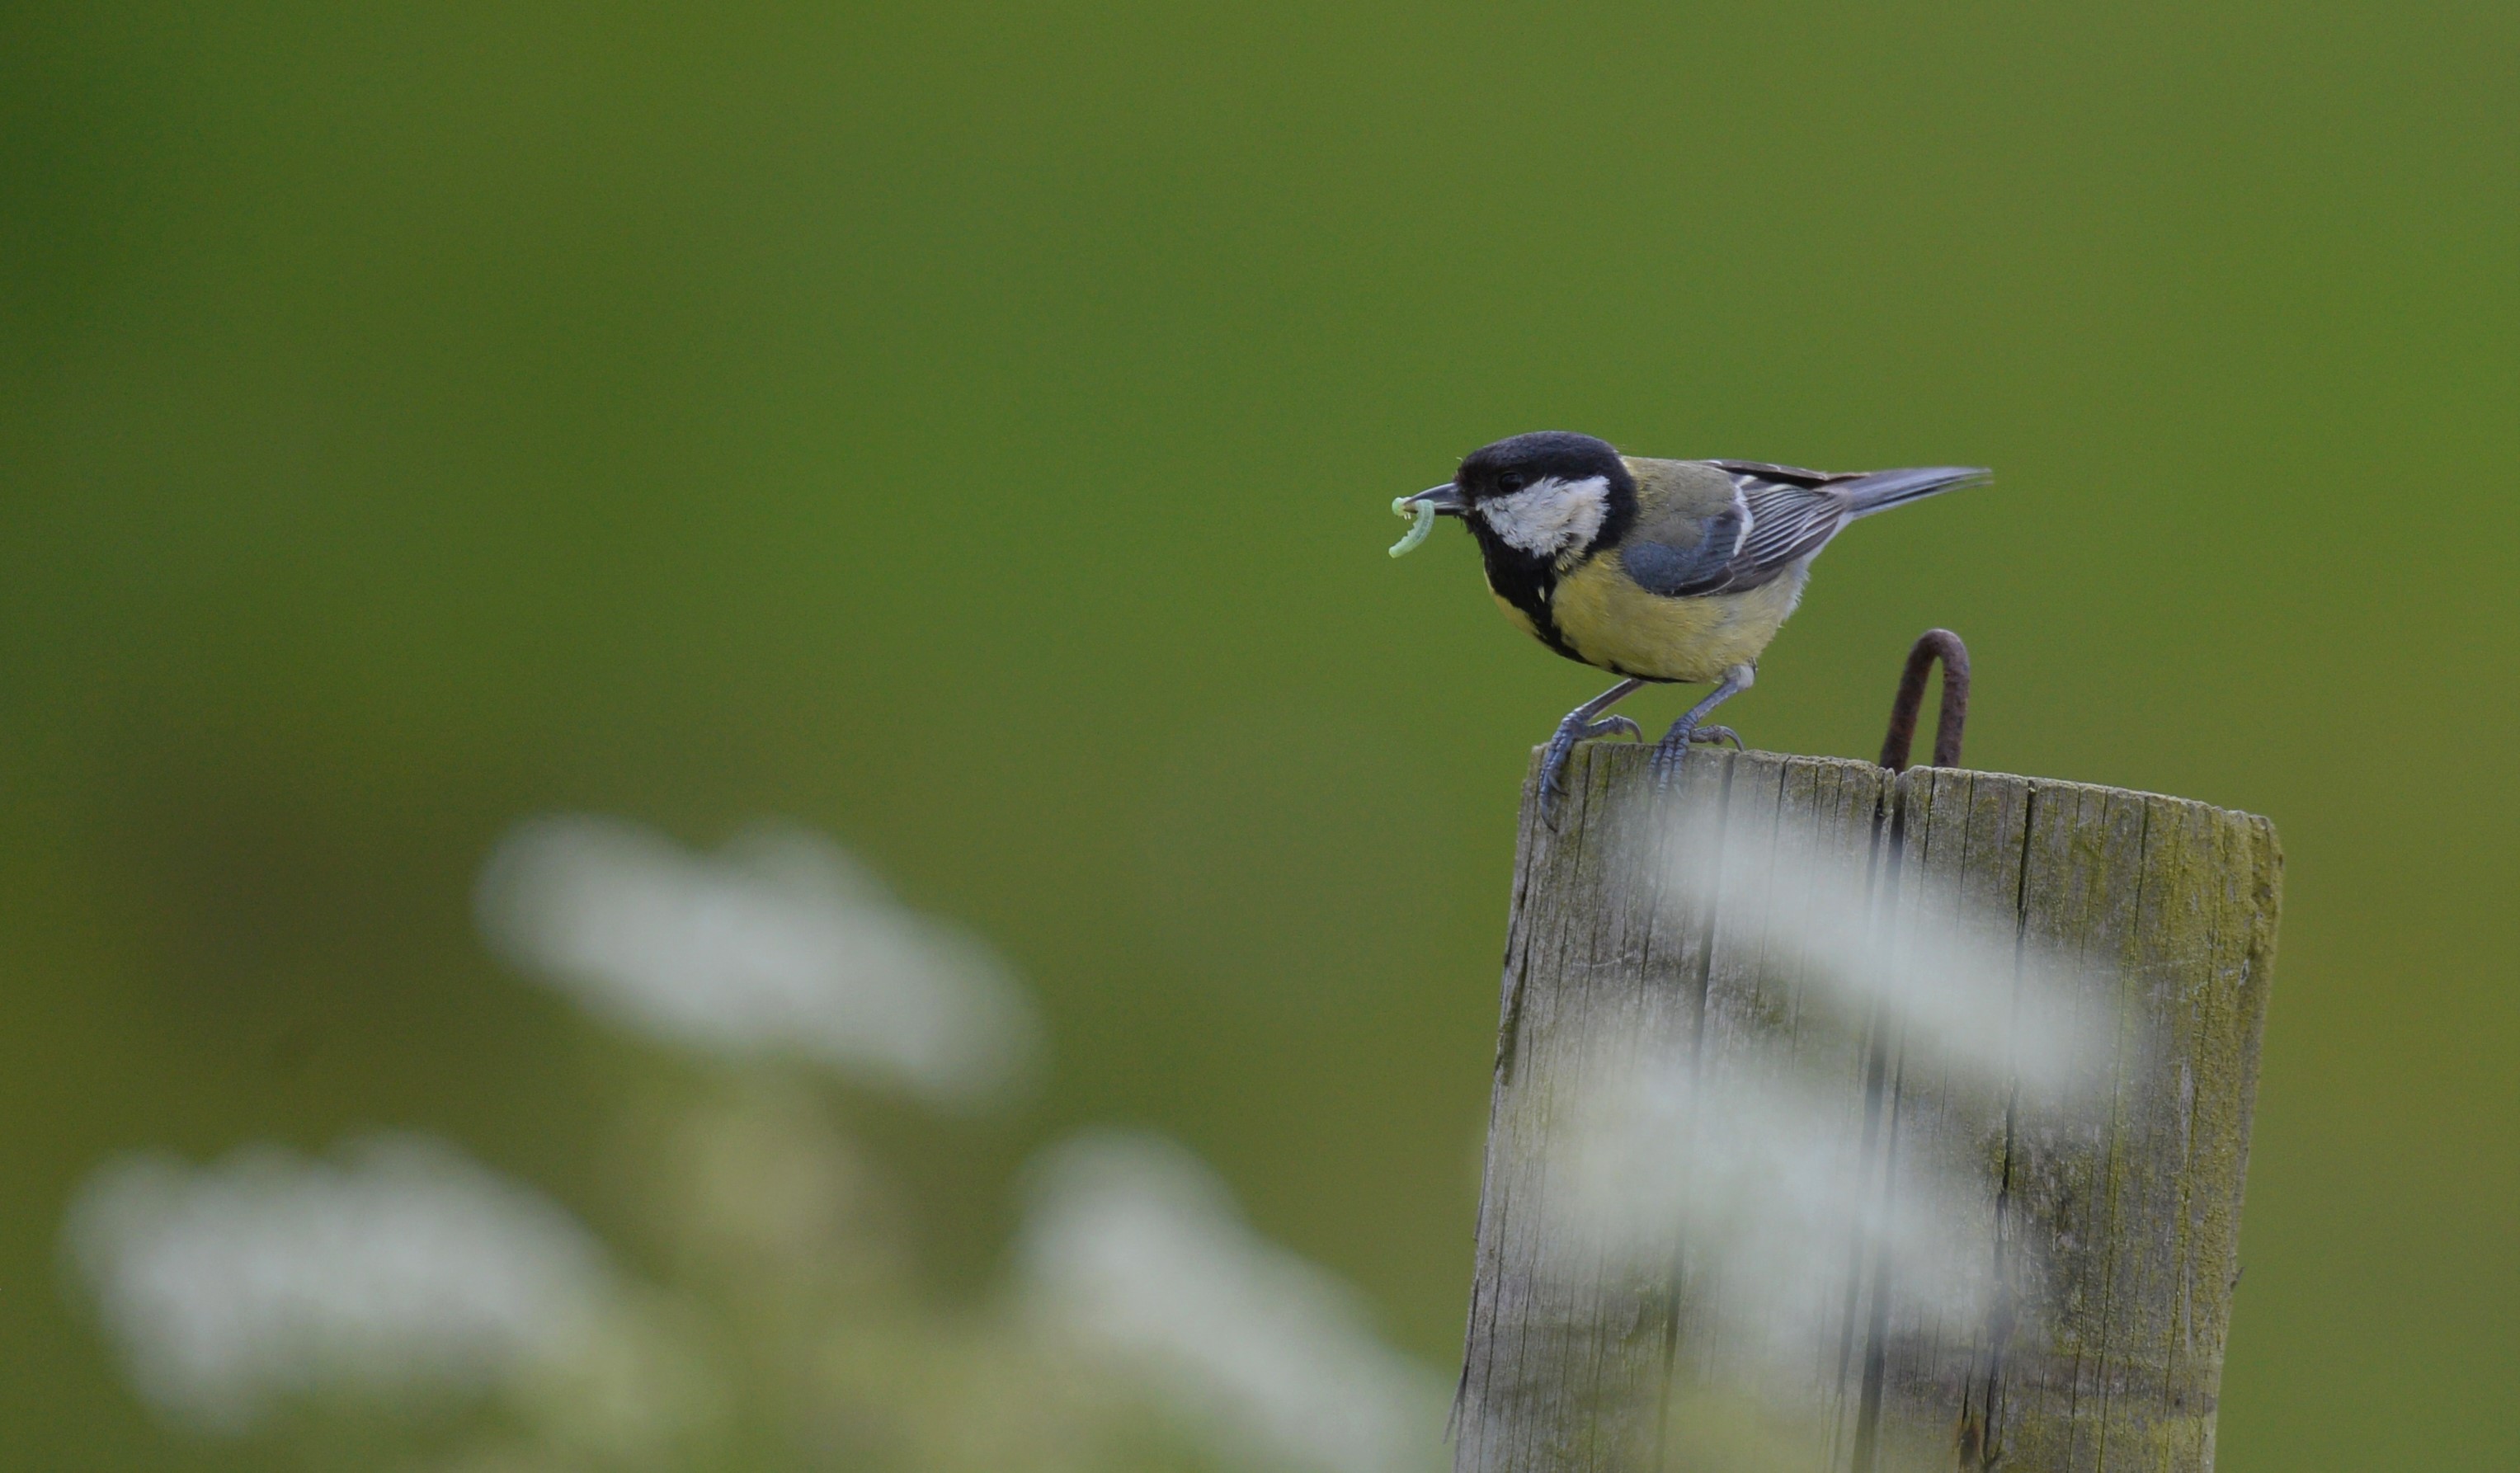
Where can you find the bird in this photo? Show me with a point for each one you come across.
(1658, 571)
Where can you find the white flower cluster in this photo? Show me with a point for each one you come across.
(777, 944)
(404, 1272)
(403, 1264)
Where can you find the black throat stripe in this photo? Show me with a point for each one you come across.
(1526, 582)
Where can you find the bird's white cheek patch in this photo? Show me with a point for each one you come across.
(1550, 516)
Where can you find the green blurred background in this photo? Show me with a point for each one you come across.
(967, 430)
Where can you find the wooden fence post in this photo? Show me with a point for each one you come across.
(2106, 1235)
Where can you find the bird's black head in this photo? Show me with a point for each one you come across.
(1510, 467)
(1539, 505)
(1544, 498)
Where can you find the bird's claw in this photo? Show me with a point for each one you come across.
(1673, 747)
(1561, 744)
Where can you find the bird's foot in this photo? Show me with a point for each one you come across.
(1562, 743)
(1674, 746)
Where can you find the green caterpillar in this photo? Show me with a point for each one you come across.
(1423, 512)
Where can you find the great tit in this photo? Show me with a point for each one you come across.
(1657, 571)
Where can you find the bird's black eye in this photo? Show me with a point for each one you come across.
(1509, 483)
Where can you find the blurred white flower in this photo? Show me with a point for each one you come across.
(1761, 1190)
(778, 942)
(1952, 980)
(1133, 1249)
(404, 1269)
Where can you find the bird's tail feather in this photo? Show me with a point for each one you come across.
(1884, 489)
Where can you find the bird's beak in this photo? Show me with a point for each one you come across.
(1446, 498)
(1422, 509)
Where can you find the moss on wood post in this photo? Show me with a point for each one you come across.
(2105, 1235)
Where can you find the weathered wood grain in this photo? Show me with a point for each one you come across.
(2005, 1262)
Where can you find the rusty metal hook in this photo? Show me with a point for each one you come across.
(1932, 645)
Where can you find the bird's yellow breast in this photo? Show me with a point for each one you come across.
(1611, 622)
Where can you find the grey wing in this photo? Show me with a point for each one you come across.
(1778, 516)
(1695, 556)
(1792, 516)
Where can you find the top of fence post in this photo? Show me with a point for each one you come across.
(1856, 1120)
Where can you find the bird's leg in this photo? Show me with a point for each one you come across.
(1674, 745)
(1579, 725)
